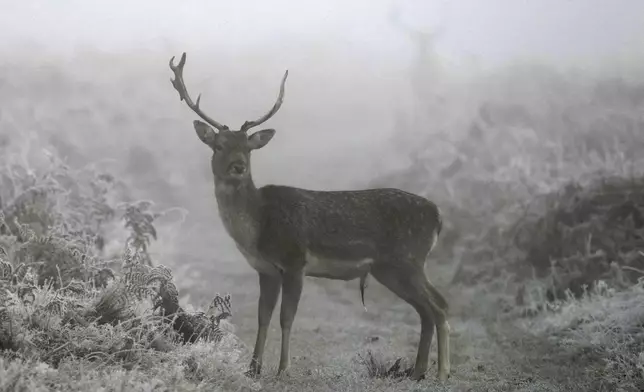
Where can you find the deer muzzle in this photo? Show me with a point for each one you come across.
(237, 168)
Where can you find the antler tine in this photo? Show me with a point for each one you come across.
(280, 98)
(180, 86)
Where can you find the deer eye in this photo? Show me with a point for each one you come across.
(217, 147)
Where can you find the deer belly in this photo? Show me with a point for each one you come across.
(335, 268)
(259, 264)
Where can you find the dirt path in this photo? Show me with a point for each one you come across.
(332, 330)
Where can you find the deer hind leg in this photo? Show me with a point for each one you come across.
(411, 285)
(440, 307)
(435, 304)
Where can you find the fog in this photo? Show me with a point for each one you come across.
(493, 31)
(352, 69)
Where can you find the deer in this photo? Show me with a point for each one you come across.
(287, 233)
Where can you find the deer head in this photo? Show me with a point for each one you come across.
(231, 148)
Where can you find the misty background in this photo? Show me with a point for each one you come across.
(492, 31)
(91, 79)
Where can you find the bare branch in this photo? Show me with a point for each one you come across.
(180, 86)
(280, 98)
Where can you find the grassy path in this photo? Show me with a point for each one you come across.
(332, 330)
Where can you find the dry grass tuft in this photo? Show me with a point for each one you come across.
(377, 368)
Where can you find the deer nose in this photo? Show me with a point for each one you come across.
(237, 168)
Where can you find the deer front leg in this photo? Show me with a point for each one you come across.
(269, 289)
(291, 292)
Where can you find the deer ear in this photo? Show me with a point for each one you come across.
(260, 138)
(205, 132)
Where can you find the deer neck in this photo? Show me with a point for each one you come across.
(239, 208)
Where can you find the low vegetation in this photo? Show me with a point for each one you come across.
(74, 318)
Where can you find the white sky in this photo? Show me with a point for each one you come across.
(494, 30)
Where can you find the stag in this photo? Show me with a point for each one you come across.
(287, 233)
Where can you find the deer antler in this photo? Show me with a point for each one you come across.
(280, 98)
(180, 86)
